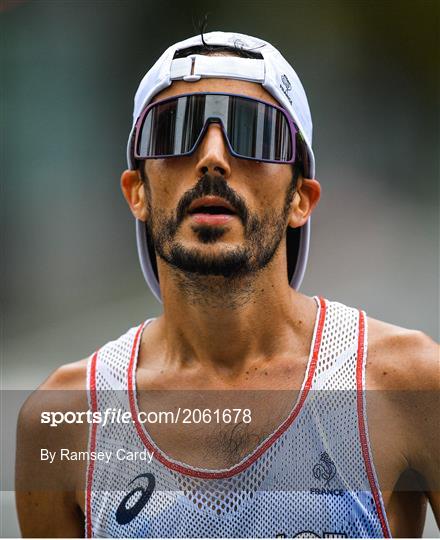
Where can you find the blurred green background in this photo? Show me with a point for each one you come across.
(71, 279)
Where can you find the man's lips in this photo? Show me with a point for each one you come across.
(203, 205)
(212, 219)
(211, 210)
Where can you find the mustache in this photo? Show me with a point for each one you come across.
(210, 184)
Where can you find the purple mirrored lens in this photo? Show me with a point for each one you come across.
(253, 129)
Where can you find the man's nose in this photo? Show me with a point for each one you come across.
(212, 154)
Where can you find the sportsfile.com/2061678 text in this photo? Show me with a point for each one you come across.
(118, 416)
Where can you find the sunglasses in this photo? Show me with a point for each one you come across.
(253, 129)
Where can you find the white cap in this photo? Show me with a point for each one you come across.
(274, 73)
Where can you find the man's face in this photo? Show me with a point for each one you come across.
(235, 241)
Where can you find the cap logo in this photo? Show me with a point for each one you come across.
(239, 44)
(286, 86)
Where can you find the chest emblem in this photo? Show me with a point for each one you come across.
(325, 469)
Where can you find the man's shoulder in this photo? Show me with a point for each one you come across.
(401, 358)
(66, 386)
(70, 376)
(64, 389)
(43, 429)
(403, 370)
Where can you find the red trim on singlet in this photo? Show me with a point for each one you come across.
(362, 427)
(91, 467)
(252, 458)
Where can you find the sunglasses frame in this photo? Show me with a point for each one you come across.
(294, 131)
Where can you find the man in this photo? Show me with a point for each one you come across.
(265, 387)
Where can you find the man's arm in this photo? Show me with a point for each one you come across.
(403, 371)
(424, 422)
(46, 493)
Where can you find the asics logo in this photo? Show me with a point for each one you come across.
(132, 503)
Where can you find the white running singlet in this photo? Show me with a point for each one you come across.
(313, 477)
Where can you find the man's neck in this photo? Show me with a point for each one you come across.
(227, 324)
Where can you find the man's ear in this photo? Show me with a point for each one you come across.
(308, 192)
(134, 192)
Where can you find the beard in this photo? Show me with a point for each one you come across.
(262, 234)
